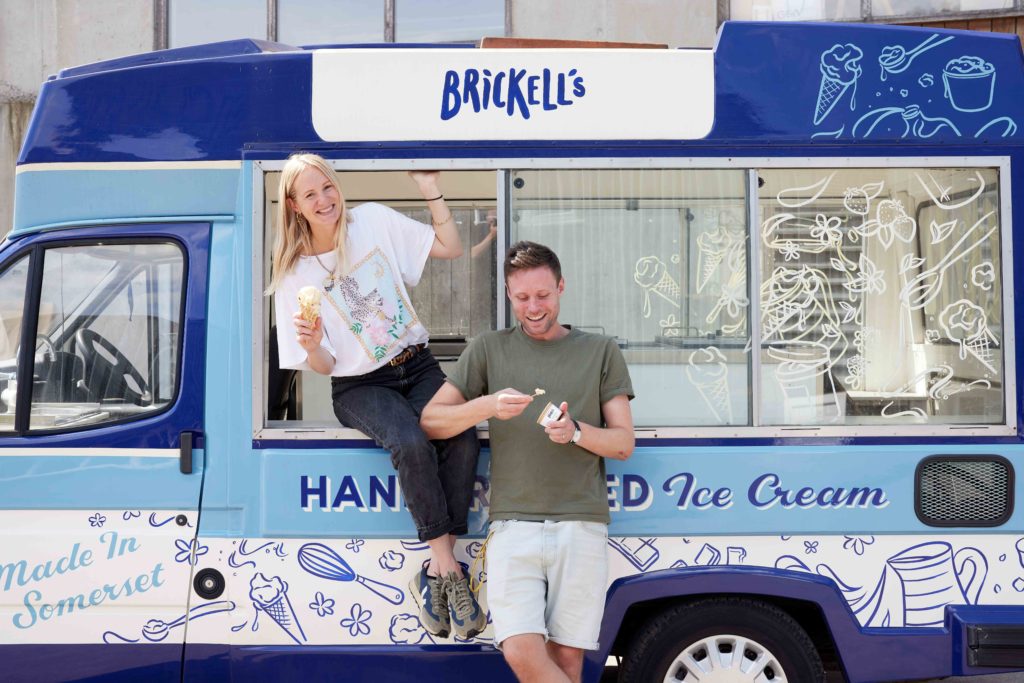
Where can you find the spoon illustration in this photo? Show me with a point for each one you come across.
(156, 630)
(920, 291)
(895, 59)
(320, 560)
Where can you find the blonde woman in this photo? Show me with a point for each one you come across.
(370, 341)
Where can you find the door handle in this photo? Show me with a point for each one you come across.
(185, 452)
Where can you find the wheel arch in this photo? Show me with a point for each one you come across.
(813, 601)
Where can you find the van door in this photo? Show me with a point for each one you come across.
(102, 364)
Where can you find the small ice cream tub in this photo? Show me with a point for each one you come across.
(550, 413)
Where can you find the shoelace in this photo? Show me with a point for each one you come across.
(458, 594)
(474, 582)
(438, 601)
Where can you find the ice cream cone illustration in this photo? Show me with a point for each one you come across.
(966, 323)
(271, 597)
(840, 69)
(711, 246)
(708, 372)
(652, 274)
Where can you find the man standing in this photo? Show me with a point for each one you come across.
(546, 555)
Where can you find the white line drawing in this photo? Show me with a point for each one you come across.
(816, 189)
(858, 199)
(983, 275)
(895, 59)
(830, 133)
(901, 122)
(840, 70)
(909, 412)
(670, 326)
(1008, 124)
(923, 289)
(869, 279)
(909, 262)
(942, 201)
(969, 83)
(890, 222)
(926, 80)
(940, 231)
(707, 370)
(711, 248)
(652, 274)
(966, 323)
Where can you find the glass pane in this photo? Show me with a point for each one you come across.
(929, 8)
(12, 301)
(192, 22)
(794, 10)
(881, 297)
(444, 21)
(107, 347)
(327, 22)
(455, 299)
(656, 259)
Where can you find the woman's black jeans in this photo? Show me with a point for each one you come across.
(436, 477)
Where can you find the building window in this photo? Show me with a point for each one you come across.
(193, 22)
(325, 22)
(447, 21)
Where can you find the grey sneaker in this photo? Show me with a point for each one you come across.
(467, 618)
(429, 592)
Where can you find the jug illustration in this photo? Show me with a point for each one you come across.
(932, 576)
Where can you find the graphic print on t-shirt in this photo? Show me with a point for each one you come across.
(371, 303)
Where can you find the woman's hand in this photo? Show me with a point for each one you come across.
(427, 182)
(309, 334)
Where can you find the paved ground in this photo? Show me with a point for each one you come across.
(610, 676)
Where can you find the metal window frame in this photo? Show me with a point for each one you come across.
(502, 165)
(162, 31)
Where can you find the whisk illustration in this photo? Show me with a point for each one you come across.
(319, 560)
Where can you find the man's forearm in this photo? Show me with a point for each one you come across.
(608, 442)
(443, 421)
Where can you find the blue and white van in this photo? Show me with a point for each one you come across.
(803, 242)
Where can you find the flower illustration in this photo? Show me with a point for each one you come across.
(97, 520)
(379, 333)
(857, 543)
(355, 544)
(670, 326)
(356, 622)
(322, 605)
(810, 547)
(869, 279)
(827, 230)
(189, 551)
(931, 336)
(790, 251)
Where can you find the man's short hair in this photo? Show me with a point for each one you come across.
(529, 255)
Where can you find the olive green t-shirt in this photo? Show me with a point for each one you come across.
(533, 478)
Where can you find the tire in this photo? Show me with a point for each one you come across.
(775, 647)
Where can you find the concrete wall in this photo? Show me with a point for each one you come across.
(41, 37)
(677, 23)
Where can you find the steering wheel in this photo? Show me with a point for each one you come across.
(108, 373)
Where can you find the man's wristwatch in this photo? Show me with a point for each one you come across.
(577, 435)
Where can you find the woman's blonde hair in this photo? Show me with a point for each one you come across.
(292, 238)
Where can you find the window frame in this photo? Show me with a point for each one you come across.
(26, 360)
(502, 166)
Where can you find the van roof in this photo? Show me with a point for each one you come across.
(772, 83)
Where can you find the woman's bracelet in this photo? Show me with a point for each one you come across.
(438, 224)
(434, 199)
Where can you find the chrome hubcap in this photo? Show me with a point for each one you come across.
(725, 659)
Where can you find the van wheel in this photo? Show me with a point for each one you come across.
(722, 640)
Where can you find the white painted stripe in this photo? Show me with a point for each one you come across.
(92, 452)
(132, 166)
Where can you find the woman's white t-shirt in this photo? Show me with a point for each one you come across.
(368, 318)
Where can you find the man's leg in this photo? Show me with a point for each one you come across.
(531, 660)
(568, 659)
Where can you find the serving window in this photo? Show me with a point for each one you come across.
(878, 289)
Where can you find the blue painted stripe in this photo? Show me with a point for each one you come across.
(34, 482)
(122, 663)
(90, 195)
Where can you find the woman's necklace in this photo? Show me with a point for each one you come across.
(329, 280)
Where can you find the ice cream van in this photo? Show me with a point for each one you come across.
(803, 241)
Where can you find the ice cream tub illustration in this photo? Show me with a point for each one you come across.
(969, 83)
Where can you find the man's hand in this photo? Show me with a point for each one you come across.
(562, 429)
(509, 403)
